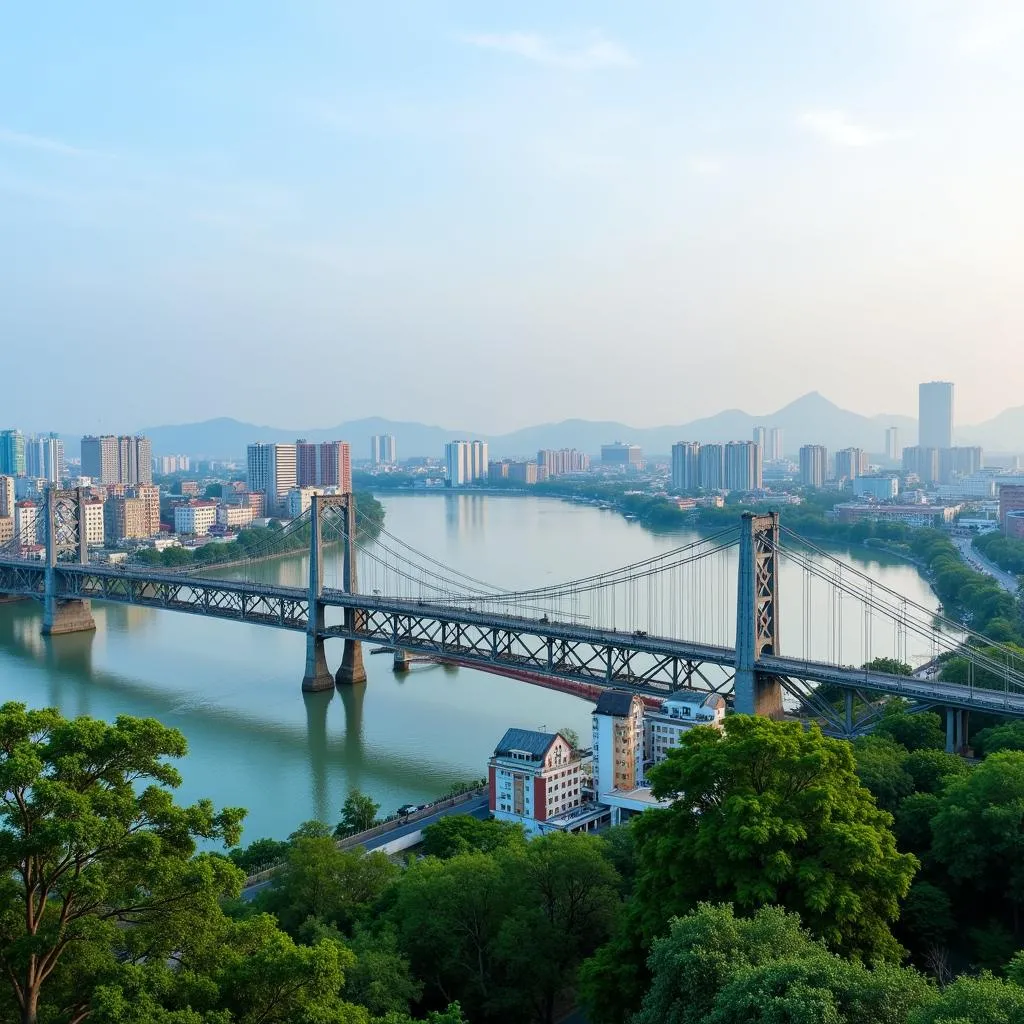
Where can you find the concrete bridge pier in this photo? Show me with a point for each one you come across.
(402, 661)
(956, 730)
(318, 676)
(351, 669)
(60, 617)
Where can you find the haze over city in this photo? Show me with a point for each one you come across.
(501, 215)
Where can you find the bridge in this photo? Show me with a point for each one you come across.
(620, 628)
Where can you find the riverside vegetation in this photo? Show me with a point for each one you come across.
(792, 878)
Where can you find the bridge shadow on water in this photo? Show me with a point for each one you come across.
(69, 678)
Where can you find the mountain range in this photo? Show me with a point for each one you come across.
(811, 419)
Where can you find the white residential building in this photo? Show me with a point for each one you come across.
(678, 715)
(94, 524)
(272, 470)
(7, 496)
(195, 518)
(881, 488)
(234, 516)
(27, 527)
(534, 778)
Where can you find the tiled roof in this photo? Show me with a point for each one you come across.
(618, 703)
(526, 740)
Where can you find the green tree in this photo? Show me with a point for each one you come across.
(311, 829)
(92, 859)
(566, 898)
(572, 737)
(881, 767)
(922, 731)
(893, 666)
(981, 1000)
(1006, 736)
(448, 915)
(358, 813)
(977, 831)
(320, 881)
(932, 769)
(926, 921)
(381, 979)
(462, 833)
(258, 854)
(766, 812)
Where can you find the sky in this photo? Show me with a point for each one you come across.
(498, 214)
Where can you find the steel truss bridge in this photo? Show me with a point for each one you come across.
(620, 628)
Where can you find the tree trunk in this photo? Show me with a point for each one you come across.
(30, 1008)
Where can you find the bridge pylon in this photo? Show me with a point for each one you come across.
(351, 669)
(757, 615)
(317, 676)
(64, 532)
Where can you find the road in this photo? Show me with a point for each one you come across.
(476, 807)
(978, 561)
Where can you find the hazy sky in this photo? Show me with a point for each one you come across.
(493, 214)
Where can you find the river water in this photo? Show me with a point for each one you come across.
(256, 741)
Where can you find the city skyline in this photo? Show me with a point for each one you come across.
(573, 165)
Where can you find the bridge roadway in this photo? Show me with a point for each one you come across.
(602, 657)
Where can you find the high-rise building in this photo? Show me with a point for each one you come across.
(44, 458)
(562, 462)
(923, 462)
(774, 450)
(26, 522)
(761, 437)
(813, 465)
(117, 460)
(743, 466)
(935, 414)
(893, 448)
(336, 465)
(711, 467)
(959, 462)
(382, 450)
(271, 469)
(478, 460)
(12, 452)
(306, 469)
(626, 456)
(456, 463)
(685, 466)
(851, 463)
(126, 519)
(149, 495)
(7, 496)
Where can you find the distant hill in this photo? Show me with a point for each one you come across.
(811, 419)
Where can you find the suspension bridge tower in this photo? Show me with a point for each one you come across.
(757, 615)
(65, 534)
(318, 675)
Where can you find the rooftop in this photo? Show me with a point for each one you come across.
(618, 703)
(526, 741)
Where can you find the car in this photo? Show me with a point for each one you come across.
(407, 809)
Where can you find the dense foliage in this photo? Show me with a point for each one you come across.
(790, 878)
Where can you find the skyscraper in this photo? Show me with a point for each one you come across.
(271, 469)
(336, 465)
(44, 458)
(711, 464)
(382, 450)
(935, 414)
(743, 462)
(12, 452)
(813, 465)
(685, 466)
(760, 436)
(851, 463)
(774, 450)
(893, 448)
(7, 496)
(465, 462)
(117, 460)
(306, 463)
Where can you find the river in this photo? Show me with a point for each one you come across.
(256, 741)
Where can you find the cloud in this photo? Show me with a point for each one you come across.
(41, 144)
(989, 34)
(705, 166)
(595, 55)
(835, 128)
